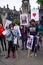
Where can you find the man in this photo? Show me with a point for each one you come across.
(24, 37)
(33, 31)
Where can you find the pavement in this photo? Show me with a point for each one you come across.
(22, 59)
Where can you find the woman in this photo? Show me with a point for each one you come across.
(9, 36)
(2, 37)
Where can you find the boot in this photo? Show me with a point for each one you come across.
(7, 56)
(13, 56)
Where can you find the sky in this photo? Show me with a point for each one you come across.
(16, 3)
(34, 4)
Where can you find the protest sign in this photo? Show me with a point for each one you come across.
(23, 19)
(35, 14)
(17, 29)
(7, 23)
(29, 42)
(4, 32)
(15, 40)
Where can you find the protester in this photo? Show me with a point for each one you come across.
(0, 52)
(37, 23)
(2, 37)
(10, 42)
(24, 36)
(17, 29)
(40, 27)
(33, 31)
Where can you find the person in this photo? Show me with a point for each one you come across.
(40, 27)
(24, 36)
(10, 42)
(37, 23)
(2, 37)
(33, 31)
(0, 52)
(17, 29)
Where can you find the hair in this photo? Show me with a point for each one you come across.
(10, 25)
(32, 20)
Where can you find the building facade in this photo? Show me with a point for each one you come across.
(8, 13)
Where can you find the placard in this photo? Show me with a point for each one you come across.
(8, 22)
(23, 19)
(15, 40)
(17, 28)
(30, 41)
(35, 14)
(4, 32)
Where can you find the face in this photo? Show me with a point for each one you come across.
(36, 22)
(32, 23)
(11, 26)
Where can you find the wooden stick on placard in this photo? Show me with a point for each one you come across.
(28, 52)
(16, 51)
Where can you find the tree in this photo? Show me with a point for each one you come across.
(40, 2)
(17, 21)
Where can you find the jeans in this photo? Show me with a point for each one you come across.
(24, 40)
(34, 47)
(2, 39)
(10, 47)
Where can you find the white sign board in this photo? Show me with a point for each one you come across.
(18, 29)
(29, 42)
(7, 23)
(15, 40)
(4, 32)
(35, 14)
(23, 19)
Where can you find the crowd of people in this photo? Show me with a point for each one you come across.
(15, 32)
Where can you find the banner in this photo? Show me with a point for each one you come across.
(29, 42)
(23, 19)
(35, 14)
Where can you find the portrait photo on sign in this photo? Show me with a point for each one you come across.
(30, 42)
(23, 19)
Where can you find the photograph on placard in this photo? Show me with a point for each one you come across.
(23, 19)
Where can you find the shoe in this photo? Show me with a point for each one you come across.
(32, 54)
(22, 49)
(13, 56)
(35, 55)
(7, 56)
(18, 46)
